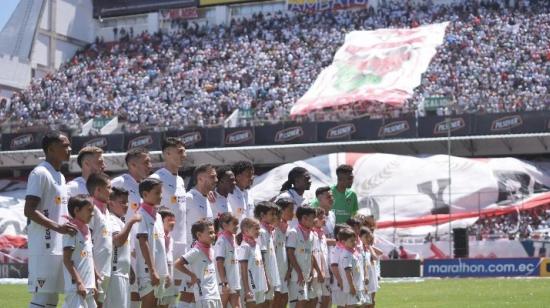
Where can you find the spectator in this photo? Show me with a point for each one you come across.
(394, 254)
(494, 59)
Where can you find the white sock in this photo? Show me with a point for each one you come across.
(135, 304)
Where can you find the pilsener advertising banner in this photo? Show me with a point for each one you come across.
(323, 5)
(507, 267)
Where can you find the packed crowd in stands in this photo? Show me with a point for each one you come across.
(494, 59)
(518, 225)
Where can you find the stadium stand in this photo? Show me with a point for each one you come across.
(495, 59)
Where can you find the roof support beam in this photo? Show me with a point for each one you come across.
(277, 154)
(411, 146)
(543, 143)
(507, 143)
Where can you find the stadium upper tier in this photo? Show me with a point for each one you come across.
(493, 60)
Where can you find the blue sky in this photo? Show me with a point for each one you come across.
(7, 8)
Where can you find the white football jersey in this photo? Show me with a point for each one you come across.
(100, 227)
(298, 201)
(121, 255)
(227, 250)
(353, 261)
(241, 205)
(154, 229)
(205, 270)
(303, 250)
(267, 246)
(83, 261)
(198, 207)
(49, 185)
(257, 281)
(221, 205)
(173, 197)
(330, 223)
(127, 182)
(77, 187)
(280, 252)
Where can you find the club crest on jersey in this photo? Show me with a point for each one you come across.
(104, 232)
(58, 200)
(174, 199)
(83, 254)
(41, 282)
(134, 206)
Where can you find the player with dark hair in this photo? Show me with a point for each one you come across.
(45, 206)
(241, 205)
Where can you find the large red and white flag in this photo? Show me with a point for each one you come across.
(412, 195)
(383, 66)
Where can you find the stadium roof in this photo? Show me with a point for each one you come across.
(466, 146)
(17, 36)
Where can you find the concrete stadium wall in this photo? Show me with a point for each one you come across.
(65, 26)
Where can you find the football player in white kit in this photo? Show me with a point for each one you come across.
(226, 185)
(99, 186)
(90, 160)
(45, 206)
(119, 285)
(173, 197)
(297, 183)
(241, 205)
(80, 286)
(198, 207)
(139, 167)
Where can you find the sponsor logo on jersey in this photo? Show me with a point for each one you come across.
(444, 126)
(41, 282)
(289, 134)
(506, 123)
(140, 142)
(21, 141)
(393, 128)
(340, 131)
(239, 137)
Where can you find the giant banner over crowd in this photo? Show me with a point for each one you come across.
(383, 66)
(412, 195)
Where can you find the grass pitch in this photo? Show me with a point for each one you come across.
(428, 293)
